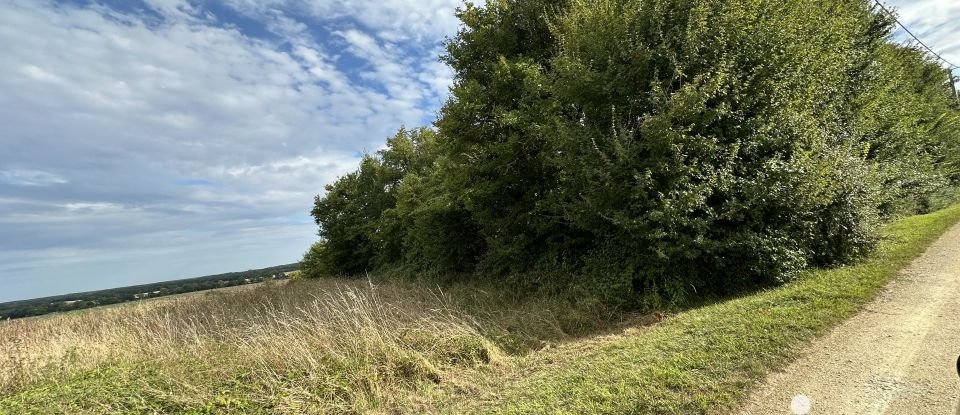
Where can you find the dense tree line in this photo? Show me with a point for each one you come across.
(646, 150)
(78, 301)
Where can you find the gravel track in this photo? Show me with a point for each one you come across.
(898, 356)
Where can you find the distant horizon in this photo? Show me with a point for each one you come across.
(67, 294)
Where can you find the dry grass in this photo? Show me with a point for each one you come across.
(332, 346)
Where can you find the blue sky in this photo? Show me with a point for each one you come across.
(148, 140)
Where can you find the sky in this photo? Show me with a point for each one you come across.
(150, 140)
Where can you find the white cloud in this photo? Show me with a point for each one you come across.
(30, 178)
(178, 9)
(387, 67)
(934, 22)
(93, 207)
(422, 21)
(112, 119)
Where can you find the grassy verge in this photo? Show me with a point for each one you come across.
(347, 346)
(706, 360)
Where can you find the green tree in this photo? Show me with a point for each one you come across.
(354, 236)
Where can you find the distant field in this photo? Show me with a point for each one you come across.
(360, 346)
(84, 300)
(172, 297)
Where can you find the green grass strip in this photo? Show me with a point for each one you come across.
(706, 360)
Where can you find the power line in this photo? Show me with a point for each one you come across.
(894, 17)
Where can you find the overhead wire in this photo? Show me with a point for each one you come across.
(950, 66)
(904, 27)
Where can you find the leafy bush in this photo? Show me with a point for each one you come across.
(654, 149)
(314, 263)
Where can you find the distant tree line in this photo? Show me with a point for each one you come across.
(649, 150)
(68, 302)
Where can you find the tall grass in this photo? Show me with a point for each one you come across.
(331, 346)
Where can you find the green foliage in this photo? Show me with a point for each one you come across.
(654, 149)
(356, 230)
(314, 263)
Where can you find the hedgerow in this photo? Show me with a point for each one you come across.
(649, 150)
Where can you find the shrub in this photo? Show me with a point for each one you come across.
(313, 264)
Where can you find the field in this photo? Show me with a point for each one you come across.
(368, 346)
(331, 346)
(84, 300)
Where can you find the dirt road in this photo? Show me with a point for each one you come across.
(898, 356)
